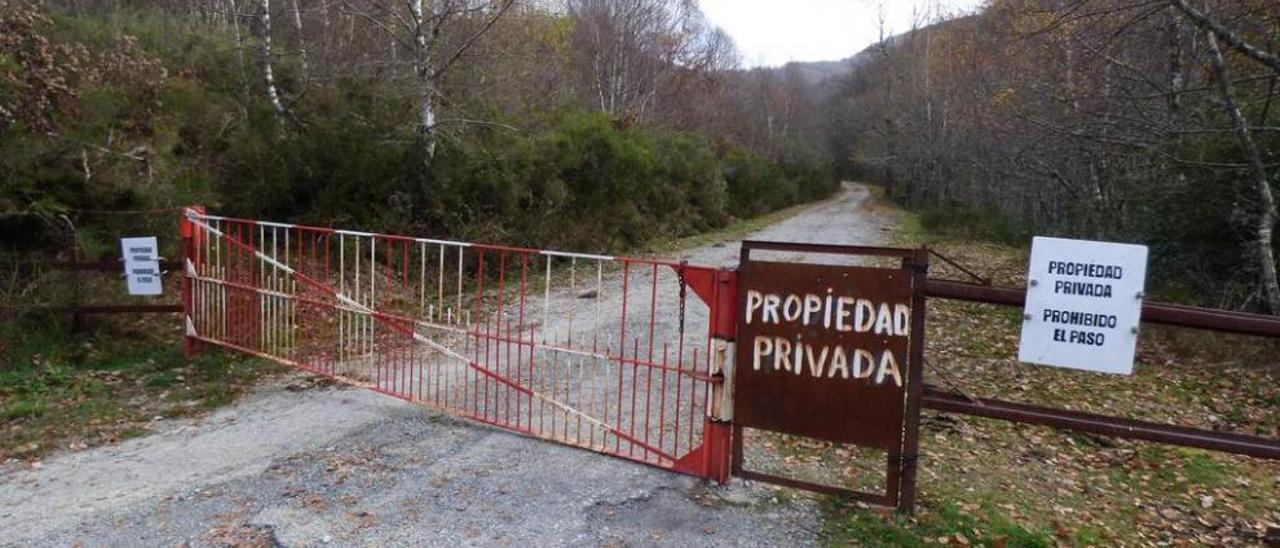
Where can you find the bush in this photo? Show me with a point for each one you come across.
(178, 131)
(988, 224)
(753, 183)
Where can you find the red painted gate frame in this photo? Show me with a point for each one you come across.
(721, 454)
(714, 286)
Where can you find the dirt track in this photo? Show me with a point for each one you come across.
(344, 466)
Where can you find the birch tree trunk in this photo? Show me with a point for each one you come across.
(235, 27)
(424, 74)
(1202, 20)
(1177, 75)
(326, 39)
(268, 75)
(1266, 213)
(303, 59)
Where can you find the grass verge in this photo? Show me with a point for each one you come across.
(993, 483)
(65, 391)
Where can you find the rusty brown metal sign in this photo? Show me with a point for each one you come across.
(822, 351)
(830, 352)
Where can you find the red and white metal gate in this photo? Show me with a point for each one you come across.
(606, 353)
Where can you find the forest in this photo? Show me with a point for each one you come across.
(604, 124)
(1152, 122)
(219, 411)
(588, 124)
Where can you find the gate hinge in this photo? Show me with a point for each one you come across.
(722, 368)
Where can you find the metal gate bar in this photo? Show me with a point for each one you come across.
(1121, 427)
(602, 352)
(1227, 321)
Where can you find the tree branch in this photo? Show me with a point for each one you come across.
(351, 9)
(469, 121)
(502, 9)
(1205, 23)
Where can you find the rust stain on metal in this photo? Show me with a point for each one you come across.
(1227, 321)
(822, 351)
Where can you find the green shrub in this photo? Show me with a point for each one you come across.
(753, 184)
(989, 224)
(350, 155)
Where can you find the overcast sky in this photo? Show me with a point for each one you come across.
(773, 32)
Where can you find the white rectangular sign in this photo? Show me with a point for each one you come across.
(1084, 302)
(141, 265)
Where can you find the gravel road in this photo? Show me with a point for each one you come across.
(301, 464)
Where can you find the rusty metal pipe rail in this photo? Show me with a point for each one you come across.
(1159, 313)
(1118, 427)
(107, 265)
(98, 309)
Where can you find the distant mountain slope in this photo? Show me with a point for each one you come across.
(816, 73)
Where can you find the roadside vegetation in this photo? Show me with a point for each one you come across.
(515, 123)
(148, 109)
(63, 391)
(1118, 120)
(993, 483)
(586, 126)
(1147, 122)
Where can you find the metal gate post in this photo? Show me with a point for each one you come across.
(718, 427)
(918, 264)
(190, 345)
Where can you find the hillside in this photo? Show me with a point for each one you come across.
(157, 107)
(1119, 123)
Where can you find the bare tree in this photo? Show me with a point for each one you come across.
(632, 54)
(439, 33)
(239, 37)
(1264, 243)
(1202, 20)
(428, 90)
(268, 60)
(303, 57)
(1087, 117)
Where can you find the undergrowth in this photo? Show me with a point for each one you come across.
(995, 483)
(65, 390)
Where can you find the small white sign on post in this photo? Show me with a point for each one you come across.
(1084, 303)
(141, 265)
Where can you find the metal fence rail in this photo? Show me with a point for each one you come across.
(618, 355)
(607, 353)
(1120, 427)
(87, 290)
(1226, 321)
